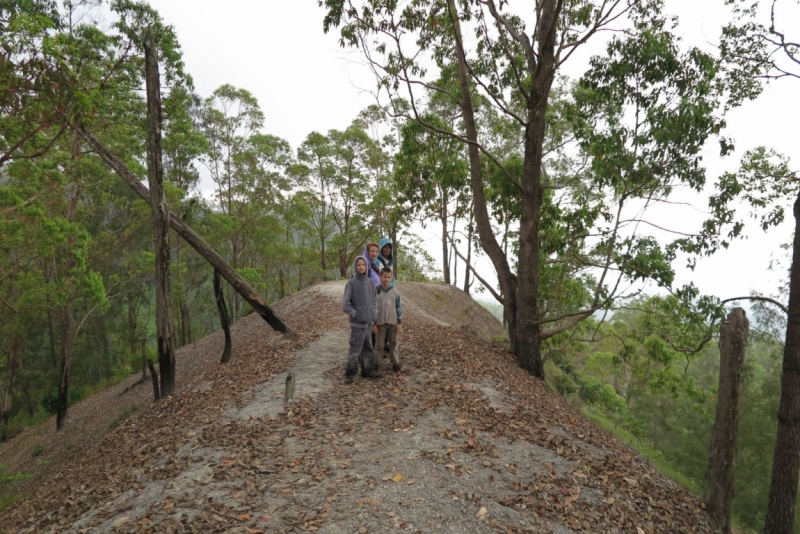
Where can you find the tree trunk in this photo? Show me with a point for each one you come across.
(186, 322)
(154, 375)
(786, 460)
(131, 324)
(144, 360)
(235, 300)
(108, 368)
(445, 249)
(219, 296)
(322, 259)
(191, 237)
(722, 451)
(393, 237)
(7, 402)
(51, 333)
(343, 263)
(506, 278)
(67, 345)
(158, 205)
(468, 261)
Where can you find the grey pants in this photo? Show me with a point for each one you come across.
(386, 333)
(360, 349)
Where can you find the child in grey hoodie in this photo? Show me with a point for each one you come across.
(360, 302)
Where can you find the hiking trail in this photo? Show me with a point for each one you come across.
(464, 442)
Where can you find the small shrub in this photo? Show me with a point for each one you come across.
(7, 478)
(10, 430)
(37, 451)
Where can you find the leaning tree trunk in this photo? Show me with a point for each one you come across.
(786, 460)
(236, 281)
(219, 296)
(722, 451)
(158, 205)
(506, 278)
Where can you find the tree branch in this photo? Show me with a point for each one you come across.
(783, 307)
(488, 287)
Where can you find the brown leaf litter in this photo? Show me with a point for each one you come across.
(464, 441)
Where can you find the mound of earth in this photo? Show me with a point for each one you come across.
(462, 441)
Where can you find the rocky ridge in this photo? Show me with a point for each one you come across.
(464, 441)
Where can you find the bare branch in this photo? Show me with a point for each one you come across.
(783, 307)
(488, 287)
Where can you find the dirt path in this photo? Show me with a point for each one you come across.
(466, 442)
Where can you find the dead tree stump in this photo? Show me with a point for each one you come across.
(722, 451)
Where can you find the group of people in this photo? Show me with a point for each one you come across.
(376, 316)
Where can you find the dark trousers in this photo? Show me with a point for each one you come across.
(360, 350)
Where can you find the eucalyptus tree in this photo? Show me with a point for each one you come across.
(315, 176)
(511, 64)
(247, 167)
(352, 154)
(431, 175)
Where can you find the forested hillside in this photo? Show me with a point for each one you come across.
(575, 202)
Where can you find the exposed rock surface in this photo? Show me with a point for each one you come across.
(462, 441)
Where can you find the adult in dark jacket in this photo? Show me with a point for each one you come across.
(360, 303)
(385, 257)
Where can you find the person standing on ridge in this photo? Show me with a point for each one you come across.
(371, 255)
(386, 257)
(390, 322)
(360, 303)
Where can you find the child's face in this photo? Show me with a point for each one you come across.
(373, 253)
(386, 279)
(387, 250)
(361, 266)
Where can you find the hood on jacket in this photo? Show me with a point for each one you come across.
(382, 243)
(355, 267)
(372, 268)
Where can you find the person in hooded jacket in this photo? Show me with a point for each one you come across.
(371, 255)
(385, 258)
(360, 303)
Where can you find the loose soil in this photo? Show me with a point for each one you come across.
(461, 441)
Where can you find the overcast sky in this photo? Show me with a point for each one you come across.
(304, 81)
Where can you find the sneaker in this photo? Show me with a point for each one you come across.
(397, 367)
(372, 374)
(349, 379)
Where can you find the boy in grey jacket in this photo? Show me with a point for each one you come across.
(390, 321)
(360, 302)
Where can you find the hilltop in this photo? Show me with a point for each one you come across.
(464, 442)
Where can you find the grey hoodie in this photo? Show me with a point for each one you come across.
(360, 300)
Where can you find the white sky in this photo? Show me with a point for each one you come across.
(304, 81)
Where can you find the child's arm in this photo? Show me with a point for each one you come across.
(347, 305)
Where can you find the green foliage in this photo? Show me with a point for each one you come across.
(37, 450)
(6, 477)
(7, 482)
(650, 378)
